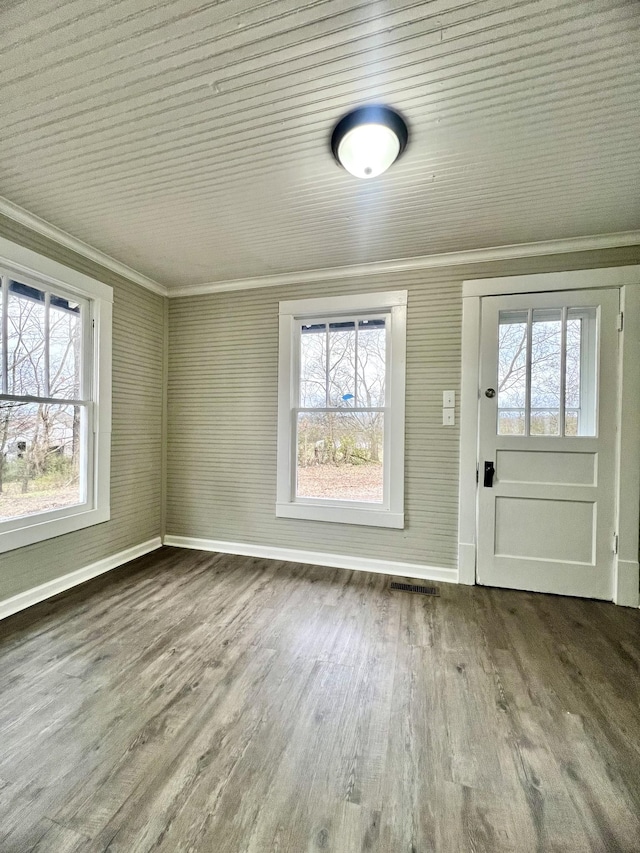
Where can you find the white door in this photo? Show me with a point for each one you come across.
(547, 461)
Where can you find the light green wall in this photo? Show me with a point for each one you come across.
(223, 408)
(136, 473)
(221, 426)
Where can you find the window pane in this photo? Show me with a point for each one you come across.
(25, 340)
(571, 422)
(313, 366)
(65, 342)
(340, 456)
(581, 372)
(39, 457)
(342, 363)
(545, 422)
(512, 374)
(574, 333)
(372, 354)
(546, 369)
(546, 346)
(511, 422)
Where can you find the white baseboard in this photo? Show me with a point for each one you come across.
(316, 558)
(46, 590)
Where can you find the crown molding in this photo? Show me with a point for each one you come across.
(424, 262)
(46, 229)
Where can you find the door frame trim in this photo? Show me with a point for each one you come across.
(626, 578)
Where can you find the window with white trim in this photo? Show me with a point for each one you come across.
(341, 409)
(55, 398)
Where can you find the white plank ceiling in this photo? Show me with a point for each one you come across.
(189, 139)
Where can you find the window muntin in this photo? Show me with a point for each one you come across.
(45, 367)
(547, 372)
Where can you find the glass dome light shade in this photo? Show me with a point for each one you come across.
(368, 150)
(368, 140)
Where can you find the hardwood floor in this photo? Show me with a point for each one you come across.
(200, 702)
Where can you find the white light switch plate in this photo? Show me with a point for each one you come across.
(448, 399)
(448, 417)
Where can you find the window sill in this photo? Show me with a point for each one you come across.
(341, 515)
(47, 528)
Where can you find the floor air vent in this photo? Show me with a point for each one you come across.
(410, 587)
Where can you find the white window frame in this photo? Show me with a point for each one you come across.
(390, 513)
(38, 271)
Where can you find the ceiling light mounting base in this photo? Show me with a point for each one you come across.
(368, 140)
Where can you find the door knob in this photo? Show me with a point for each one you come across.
(489, 471)
(490, 392)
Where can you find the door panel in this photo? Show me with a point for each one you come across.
(543, 466)
(555, 529)
(548, 402)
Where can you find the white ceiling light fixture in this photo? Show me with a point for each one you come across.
(368, 140)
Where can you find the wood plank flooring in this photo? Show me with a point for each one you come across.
(220, 704)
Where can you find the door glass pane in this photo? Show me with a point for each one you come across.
(340, 456)
(546, 348)
(511, 421)
(581, 372)
(313, 366)
(533, 406)
(512, 373)
(572, 385)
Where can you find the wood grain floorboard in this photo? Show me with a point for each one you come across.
(218, 704)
